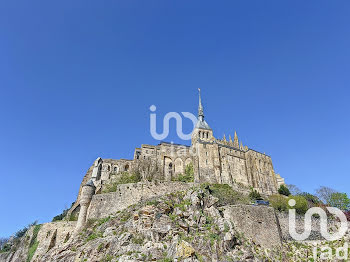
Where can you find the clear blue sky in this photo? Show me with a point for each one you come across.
(77, 79)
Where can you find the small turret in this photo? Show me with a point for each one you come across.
(87, 193)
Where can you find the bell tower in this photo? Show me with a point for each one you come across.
(202, 130)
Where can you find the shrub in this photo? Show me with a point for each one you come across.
(189, 169)
(283, 190)
(184, 178)
(301, 205)
(188, 176)
(125, 178)
(225, 194)
(255, 195)
(278, 202)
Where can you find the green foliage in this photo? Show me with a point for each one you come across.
(301, 205)
(20, 233)
(189, 169)
(188, 177)
(225, 194)
(103, 220)
(124, 178)
(339, 200)
(138, 239)
(32, 250)
(62, 215)
(93, 236)
(255, 195)
(312, 199)
(73, 218)
(278, 202)
(283, 190)
(33, 243)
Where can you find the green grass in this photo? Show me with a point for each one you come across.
(226, 195)
(124, 178)
(33, 245)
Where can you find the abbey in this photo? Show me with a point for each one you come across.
(223, 161)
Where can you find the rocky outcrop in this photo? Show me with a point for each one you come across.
(188, 225)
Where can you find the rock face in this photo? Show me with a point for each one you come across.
(258, 223)
(188, 225)
(183, 226)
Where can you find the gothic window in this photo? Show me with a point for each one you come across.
(199, 134)
(126, 168)
(108, 168)
(207, 135)
(116, 169)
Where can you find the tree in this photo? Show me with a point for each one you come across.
(325, 193)
(3, 242)
(294, 190)
(255, 195)
(283, 190)
(278, 202)
(339, 200)
(301, 205)
(313, 200)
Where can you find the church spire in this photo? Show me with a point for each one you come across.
(201, 122)
(200, 107)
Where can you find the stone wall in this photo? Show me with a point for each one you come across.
(300, 226)
(103, 205)
(258, 223)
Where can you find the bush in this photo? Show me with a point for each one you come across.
(125, 178)
(283, 190)
(301, 205)
(225, 194)
(279, 202)
(255, 195)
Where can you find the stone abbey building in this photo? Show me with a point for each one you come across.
(214, 160)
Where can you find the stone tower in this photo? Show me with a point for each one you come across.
(206, 157)
(87, 192)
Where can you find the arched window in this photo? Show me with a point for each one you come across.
(207, 134)
(126, 168)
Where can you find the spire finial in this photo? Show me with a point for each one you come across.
(200, 107)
